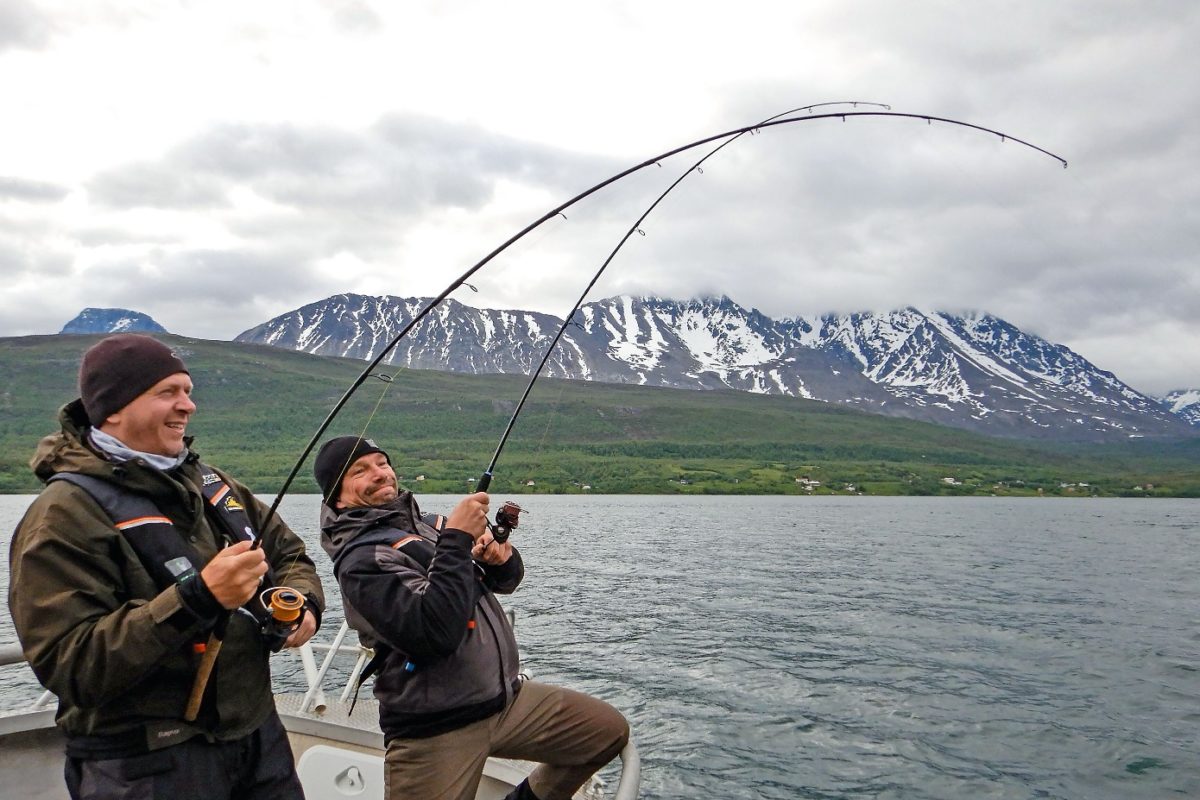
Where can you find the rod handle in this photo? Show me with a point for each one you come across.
(485, 481)
(202, 674)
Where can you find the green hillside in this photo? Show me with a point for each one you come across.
(258, 406)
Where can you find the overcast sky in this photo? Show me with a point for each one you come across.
(214, 164)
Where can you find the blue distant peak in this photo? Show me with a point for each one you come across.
(112, 320)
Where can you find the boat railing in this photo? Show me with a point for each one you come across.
(12, 654)
(314, 699)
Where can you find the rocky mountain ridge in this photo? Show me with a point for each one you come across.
(972, 371)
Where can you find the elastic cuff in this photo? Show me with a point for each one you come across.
(199, 599)
(454, 535)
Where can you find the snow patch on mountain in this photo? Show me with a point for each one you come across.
(988, 364)
(1184, 403)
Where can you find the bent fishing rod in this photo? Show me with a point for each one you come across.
(500, 531)
(217, 634)
(557, 210)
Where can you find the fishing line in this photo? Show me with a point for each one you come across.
(222, 621)
(537, 459)
(485, 479)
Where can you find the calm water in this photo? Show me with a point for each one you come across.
(862, 647)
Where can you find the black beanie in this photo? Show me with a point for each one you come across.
(118, 368)
(335, 457)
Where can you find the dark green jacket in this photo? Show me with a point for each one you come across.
(115, 648)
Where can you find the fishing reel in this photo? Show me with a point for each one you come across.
(507, 519)
(284, 607)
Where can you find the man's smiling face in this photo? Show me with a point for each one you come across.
(155, 421)
(369, 481)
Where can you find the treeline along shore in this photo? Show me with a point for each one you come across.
(258, 407)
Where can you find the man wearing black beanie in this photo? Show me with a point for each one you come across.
(422, 592)
(119, 570)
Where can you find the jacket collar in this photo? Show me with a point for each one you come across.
(340, 527)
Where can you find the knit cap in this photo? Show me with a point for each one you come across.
(118, 368)
(335, 458)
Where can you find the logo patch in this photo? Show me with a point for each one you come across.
(211, 478)
(232, 504)
(181, 568)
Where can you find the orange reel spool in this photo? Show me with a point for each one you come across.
(284, 604)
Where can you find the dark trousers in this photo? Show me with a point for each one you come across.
(256, 767)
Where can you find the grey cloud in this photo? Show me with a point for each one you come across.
(14, 261)
(33, 289)
(31, 190)
(24, 253)
(99, 235)
(228, 276)
(23, 26)
(338, 190)
(208, 293)
(355, 17)
(156, 186)
(1155, 371)
(244, 152)
(471, 155)
(404, 165)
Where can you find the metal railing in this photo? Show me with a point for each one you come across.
(12, 654)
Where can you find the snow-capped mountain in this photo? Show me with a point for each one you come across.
(112, 320)
(1184, 403)
(971, 371)
(453, 337)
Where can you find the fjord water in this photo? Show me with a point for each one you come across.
(827, 647)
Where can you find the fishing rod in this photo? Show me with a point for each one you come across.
(508, 515)
(217, 636)
(506, 519)
(653, 160)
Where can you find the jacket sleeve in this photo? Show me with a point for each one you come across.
(85, 639)
(286, 551)
(421, 614)
(505, 578)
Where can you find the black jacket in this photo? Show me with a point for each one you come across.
(415, 594)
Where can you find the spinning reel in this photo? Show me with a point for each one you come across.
(507, 519)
